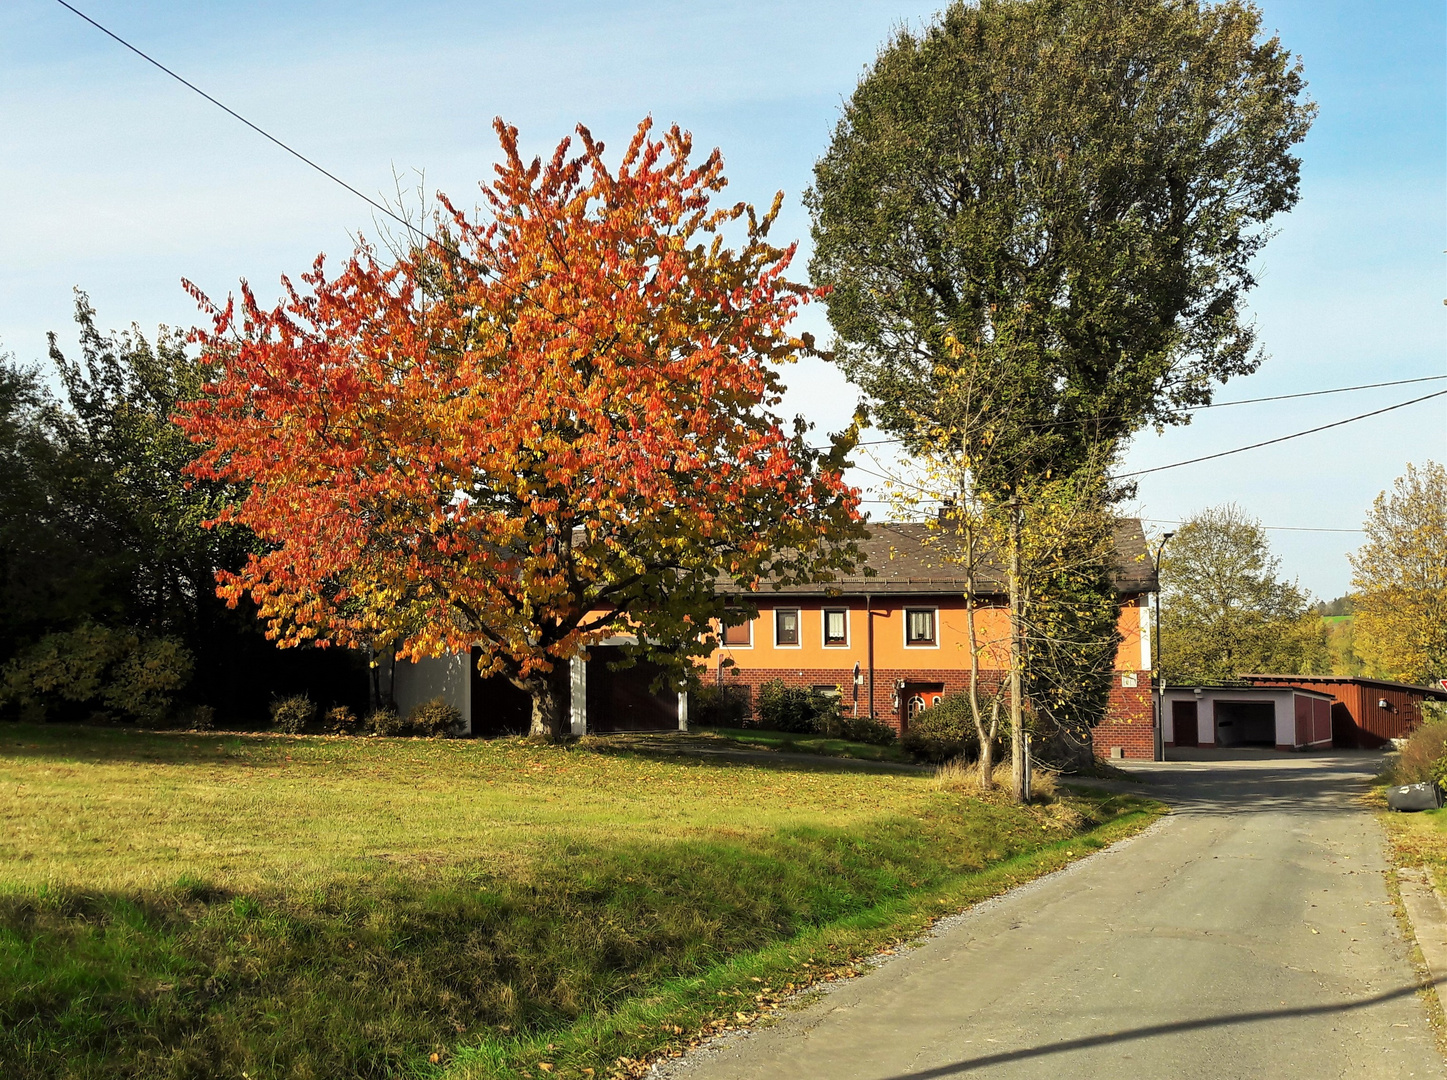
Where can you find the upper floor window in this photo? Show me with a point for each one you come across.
(919, 626)
(836, 626)
(786, 626)
(740, 635)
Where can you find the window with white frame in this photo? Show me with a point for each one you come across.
(738, 630)
(786, 626)
(836, 626)
(919, 626)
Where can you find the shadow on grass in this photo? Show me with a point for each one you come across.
(355, 980)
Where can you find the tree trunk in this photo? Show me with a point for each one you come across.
(1017, 726)
(549, 713)
(986, 738)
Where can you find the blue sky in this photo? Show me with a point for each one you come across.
(120, 181)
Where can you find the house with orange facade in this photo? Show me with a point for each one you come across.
(889, 643)
(892, 643)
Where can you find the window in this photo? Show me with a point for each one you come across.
(741, 635)
(786, 626)
(836, 626)
(919, 626)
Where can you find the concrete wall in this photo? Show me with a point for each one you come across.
(447, 677)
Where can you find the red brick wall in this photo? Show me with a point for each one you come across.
(886, 708)
(1129, 723)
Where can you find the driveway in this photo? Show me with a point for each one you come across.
(1247, 935)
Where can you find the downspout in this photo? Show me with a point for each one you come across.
(869, 624)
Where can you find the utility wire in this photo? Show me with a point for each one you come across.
(1222, 453)
(1210, 405)
(1280, 439)
(260, 131)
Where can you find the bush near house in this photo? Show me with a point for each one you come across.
(946, 731)
(1424, 757)
(495, 904)
(435, 719)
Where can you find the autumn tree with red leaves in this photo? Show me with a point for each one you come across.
(545, 427)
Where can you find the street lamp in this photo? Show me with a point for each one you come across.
(1157, 678)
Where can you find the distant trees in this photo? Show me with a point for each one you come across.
(1225, 612)
(1400, 579)
(107, 578)
(549, 428)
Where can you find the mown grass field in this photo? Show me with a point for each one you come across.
(807, 744)
(253, 906)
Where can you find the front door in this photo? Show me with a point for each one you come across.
(1183, 723)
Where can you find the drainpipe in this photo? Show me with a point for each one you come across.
(869, 624)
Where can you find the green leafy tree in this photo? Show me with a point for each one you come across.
(1225, 611)
(1400, 578)
(101, 539)
(1038, 218)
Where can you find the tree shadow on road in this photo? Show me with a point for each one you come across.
(1176, 1027)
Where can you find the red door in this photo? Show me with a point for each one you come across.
(1183, 723)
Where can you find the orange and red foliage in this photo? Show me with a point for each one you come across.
(539, 429)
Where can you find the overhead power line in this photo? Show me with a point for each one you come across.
(1281, 438)
(259, 130)
(1210, 405)
(1222, 453)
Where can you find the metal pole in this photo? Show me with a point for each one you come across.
(1156, 677)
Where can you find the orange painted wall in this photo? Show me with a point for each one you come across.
(890, 650)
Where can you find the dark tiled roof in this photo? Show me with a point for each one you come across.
(912, 559)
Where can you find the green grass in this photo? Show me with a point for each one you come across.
(211, 906)
(1420, 839)
(809, 744)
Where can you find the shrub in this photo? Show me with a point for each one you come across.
(795, 709)
(863, 729)
(340, 721)
(712, 705)
(384, 722)
(945, 731)
(1424, 757)
(293, 715)
(95, 669)
(436, 719)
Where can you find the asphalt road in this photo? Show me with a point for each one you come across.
(1247, 935)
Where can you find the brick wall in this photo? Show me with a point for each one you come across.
(1129, 723)
(856, 700)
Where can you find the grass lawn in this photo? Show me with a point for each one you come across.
(1420, 839)
(224, 906)
(808, 744)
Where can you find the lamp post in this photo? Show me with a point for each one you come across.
(1156, 676)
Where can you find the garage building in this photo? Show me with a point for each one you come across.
(1277, 718)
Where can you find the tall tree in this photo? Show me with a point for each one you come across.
(1054, 206)
(1225, 612)
(1400, 578)
(1037, 220)
(549, 428)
